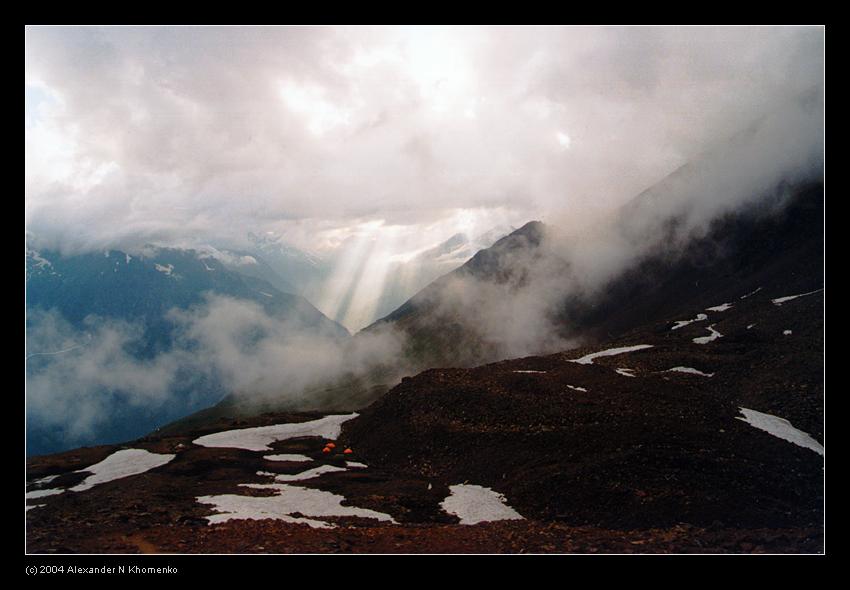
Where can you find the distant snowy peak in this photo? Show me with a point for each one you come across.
(460, 247)
(273, 244)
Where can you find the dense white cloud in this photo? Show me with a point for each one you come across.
(157, 133)
(77, 379)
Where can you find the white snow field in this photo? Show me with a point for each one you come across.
(625, 372)
(682, 323)
(289, 500)
(589, 358)
(706, 339)
(284, 457)
(356, 464)
(780, 428)
(123, 463)
(259, 438)
(787, 332)
(473, 504)
(577, 388)
(722, 307)
(781, 300)
(529, 371)
(690, 370)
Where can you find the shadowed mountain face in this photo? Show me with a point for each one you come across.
(777, 241)
(440, 323)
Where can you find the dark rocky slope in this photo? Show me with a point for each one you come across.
(650, 450)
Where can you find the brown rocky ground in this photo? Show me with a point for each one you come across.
(156, 512)
(656, 463)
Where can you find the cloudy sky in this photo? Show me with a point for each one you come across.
(321, 133)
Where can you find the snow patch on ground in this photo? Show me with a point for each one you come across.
(626, 372)
(473, 504)
(309, 474)
(298, 458)
(529, 371)
(781, 300)
(356, 464)
(47, 479)
(706, 339)
(288, 501)
(690, 370)
(750, 293)
(722, 307)
(123, 463)
(682, 323)
(31, 506)
(780, 428)
(589, 358)
(259, 438)
(750, 326)
(43, 493)
(577, 388)
(787, 332)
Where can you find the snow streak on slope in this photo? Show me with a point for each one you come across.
(120, 464)
(690, 370)
(706, 339)
(781, 428)
(285, 457)
(588, 358)
(259, 439)
(781, 300)
(682, 323)
(309, 474)
(42, 493)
